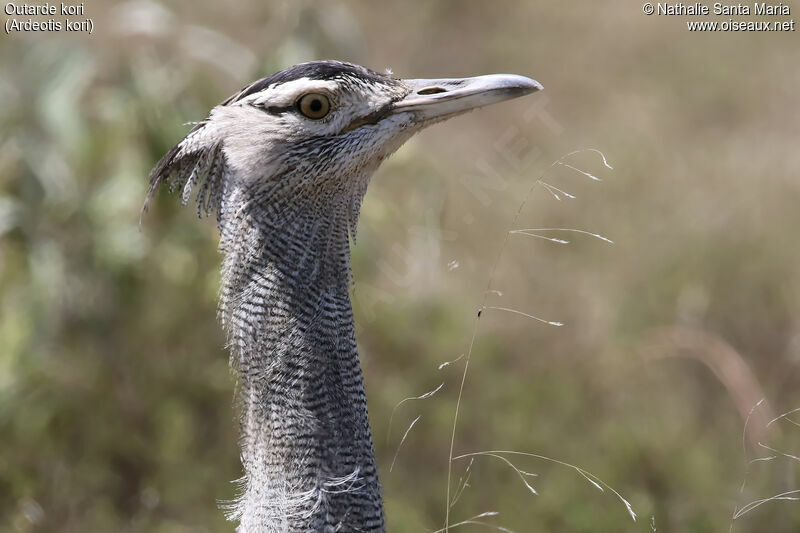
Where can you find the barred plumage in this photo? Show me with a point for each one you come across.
(286, 190)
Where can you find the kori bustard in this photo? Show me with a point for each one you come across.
(283, 165)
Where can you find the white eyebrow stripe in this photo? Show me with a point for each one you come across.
(285, 94)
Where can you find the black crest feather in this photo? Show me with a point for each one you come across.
(191, 164)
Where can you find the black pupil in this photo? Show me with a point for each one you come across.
(315, 105)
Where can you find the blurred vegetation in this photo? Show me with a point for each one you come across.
(115, 397)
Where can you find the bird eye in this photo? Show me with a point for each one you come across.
(314, 105)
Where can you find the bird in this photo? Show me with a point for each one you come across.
(284, 165)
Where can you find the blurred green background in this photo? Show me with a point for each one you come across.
(116, 403)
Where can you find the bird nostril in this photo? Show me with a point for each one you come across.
(431, 90)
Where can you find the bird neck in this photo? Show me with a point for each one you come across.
(307, 450)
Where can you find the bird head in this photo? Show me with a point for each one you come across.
(317, 130)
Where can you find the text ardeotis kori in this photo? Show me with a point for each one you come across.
(284, 165)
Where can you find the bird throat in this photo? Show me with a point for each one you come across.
(307, 450)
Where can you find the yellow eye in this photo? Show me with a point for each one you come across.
(314, 105)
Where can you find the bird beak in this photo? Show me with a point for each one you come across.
(444, 98)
